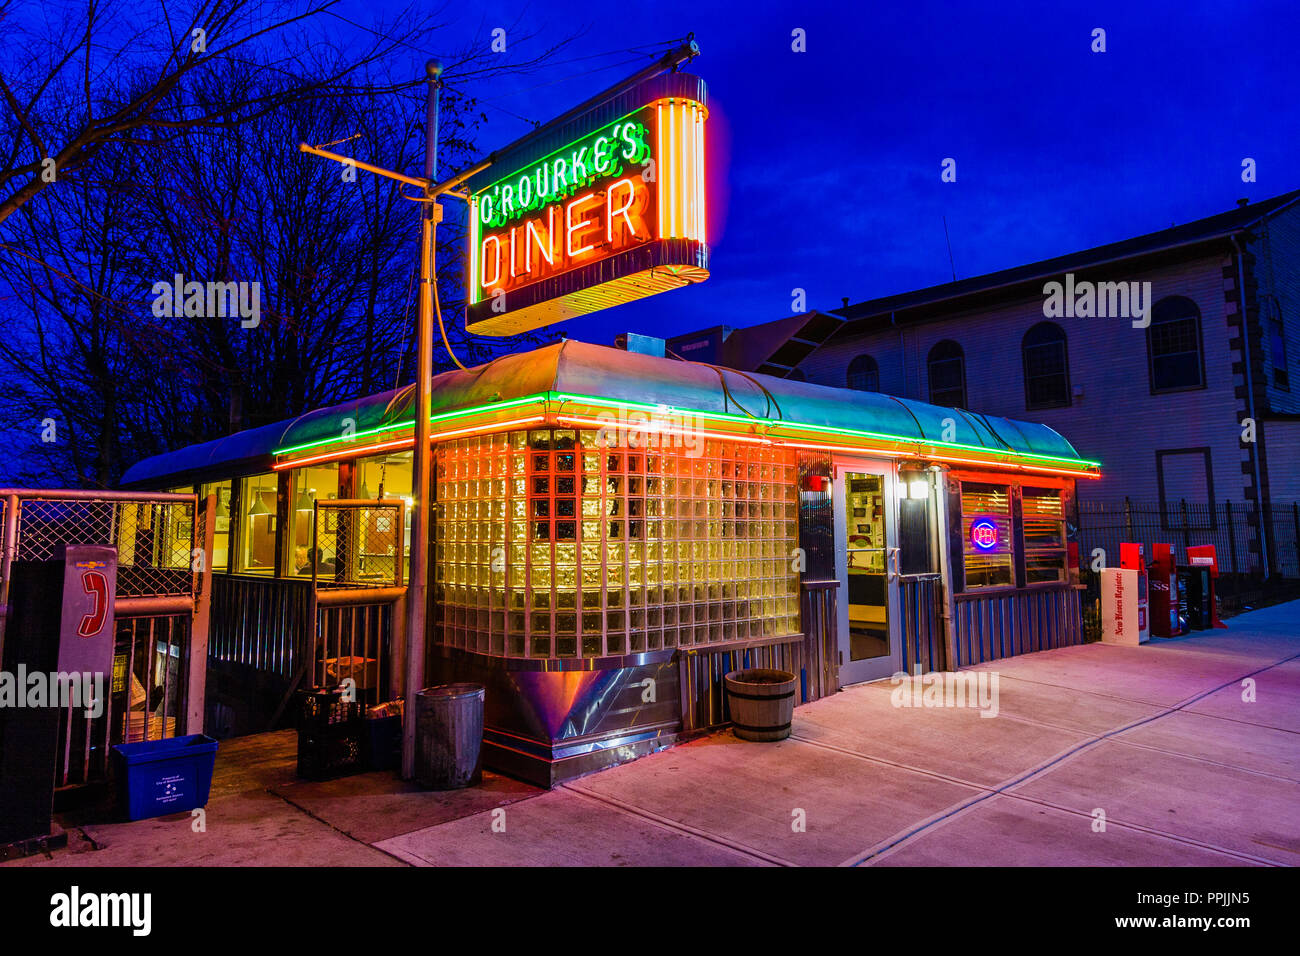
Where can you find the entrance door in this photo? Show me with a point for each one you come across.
(866, 563)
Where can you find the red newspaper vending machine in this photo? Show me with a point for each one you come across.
(1130, 556)
(1205, 555)
(1164, 592)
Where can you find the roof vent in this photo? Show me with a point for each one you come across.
(642, 344)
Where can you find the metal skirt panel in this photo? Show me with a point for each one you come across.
(1008, 623)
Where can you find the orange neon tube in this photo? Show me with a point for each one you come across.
(483, 429)
(651, 427)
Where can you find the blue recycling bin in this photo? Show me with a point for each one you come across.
(158, 777)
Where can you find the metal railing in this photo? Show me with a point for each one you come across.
(274, 635)
(162, 544)
(994, 624)
(154, 534)
(1233, 527)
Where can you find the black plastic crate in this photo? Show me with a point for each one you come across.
(321, 708)
(330, 734)
(334, 752)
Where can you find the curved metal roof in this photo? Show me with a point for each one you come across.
(580, 368)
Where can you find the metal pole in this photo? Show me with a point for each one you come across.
(12, 506)
(417, 594)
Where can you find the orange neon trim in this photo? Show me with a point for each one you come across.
(483, 429)
(331, 455)
(645, 427)
(671, 179)
(610, 212)
(570, 228)
(699, 173)
(483, 264)
(909, 453)
(688, 213)
(659, 172)
(488, 427)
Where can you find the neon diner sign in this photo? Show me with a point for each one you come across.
(590, 216)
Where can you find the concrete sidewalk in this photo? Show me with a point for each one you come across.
(1156, 742)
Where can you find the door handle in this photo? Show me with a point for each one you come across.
(893, 561)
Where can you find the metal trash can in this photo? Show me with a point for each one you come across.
(449, 736)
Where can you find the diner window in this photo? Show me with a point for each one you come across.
(221, 527)
(1174, 345)
(307, 486)
(257, 496)
(864, 374)
(1047, 373)
(947, 368)
(388, 477)
(986, 535)
(1044, 530)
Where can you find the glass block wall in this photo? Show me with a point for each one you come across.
(551, 545)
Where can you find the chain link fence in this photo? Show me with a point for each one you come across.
(155, 539)
(358, 544)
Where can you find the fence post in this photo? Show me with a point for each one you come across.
(13, 504)
(1187, 529)
(1295, 519)
(1128, 519)
(1232, 535)
(197, 657)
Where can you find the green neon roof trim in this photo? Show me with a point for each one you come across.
(408, 423)
(719, 416)
(852, 432)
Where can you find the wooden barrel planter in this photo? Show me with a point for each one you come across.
(761, 703)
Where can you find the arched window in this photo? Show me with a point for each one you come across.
(1174, 345)
(864, 374)
(947, 364)
(1047, 371)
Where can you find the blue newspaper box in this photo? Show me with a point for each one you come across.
(158, 777)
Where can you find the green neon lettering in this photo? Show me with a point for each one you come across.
(580, 163)
(562, 173)
(600, 155)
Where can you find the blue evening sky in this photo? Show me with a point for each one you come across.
(825, 165)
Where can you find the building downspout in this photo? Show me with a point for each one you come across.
(1250, 405)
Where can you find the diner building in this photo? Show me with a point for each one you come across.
(613, 531)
